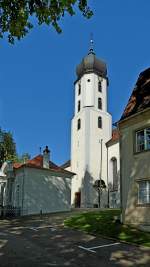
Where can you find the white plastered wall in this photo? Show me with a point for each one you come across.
(41, 191)
(86, 142)
(114, 196)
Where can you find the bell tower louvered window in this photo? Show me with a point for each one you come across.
(99, 103)
(79, 124)
(100, 122)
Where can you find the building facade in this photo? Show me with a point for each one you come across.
(35, 187)
(113, 165)
(134, 129)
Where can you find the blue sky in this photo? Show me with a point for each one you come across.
(37, 73)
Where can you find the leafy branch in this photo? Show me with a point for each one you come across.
(15, 15)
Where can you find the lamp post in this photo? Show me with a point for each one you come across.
(100, 178)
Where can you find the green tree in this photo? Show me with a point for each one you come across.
(99, 185)
(23, 158)
(15, 15)
(7, 147)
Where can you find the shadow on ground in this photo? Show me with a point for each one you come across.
(58, 246)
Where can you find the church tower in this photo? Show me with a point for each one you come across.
(91, 129)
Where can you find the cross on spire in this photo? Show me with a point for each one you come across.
(91, 50)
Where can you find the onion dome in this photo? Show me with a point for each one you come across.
(91, 64)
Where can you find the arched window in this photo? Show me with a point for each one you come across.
(99, 122)
(79, 89)
(100, 86)
(79, 124)
(79, 105)
(99, 103)
(114, 173)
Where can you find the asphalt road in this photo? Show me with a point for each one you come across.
(45, 242)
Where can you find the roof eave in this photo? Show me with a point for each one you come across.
(133, 115)
(70, 174)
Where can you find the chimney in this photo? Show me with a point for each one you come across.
(46, 157)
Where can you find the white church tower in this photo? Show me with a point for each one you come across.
(91, 129)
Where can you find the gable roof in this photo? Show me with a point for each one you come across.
(37, 162)
(140, 97)
(115, 137)
(66, 164)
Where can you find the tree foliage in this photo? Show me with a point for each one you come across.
(15, 15)
(7, 147)
(99, 185)
(23, 158)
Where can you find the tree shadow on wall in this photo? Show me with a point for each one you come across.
(134, 169)
(114, 200)
(88, 193)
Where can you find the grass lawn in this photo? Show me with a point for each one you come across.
(103, 223)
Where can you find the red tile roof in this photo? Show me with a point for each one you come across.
(17, 165)
(37, 162)
(140, 97)
(115, 137)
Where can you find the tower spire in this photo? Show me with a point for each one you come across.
(91, 50)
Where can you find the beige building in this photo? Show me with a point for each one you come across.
(134, 127)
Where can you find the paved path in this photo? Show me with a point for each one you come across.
(45, 242)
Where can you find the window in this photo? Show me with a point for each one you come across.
(99, 103)
(114, 173)
(144, 192)
(79, 105)
(88, 80)
(99, 122)
(143, 140)
(79, 89)
(100, 86)
(79, 124)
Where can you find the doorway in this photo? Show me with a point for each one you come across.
(77, 199)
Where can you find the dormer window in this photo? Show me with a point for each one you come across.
(99, 103)
(79, 89)
(100, 86)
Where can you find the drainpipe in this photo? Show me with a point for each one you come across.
(107, 178)
(22, 201)
(100, 178)
(120, 149)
